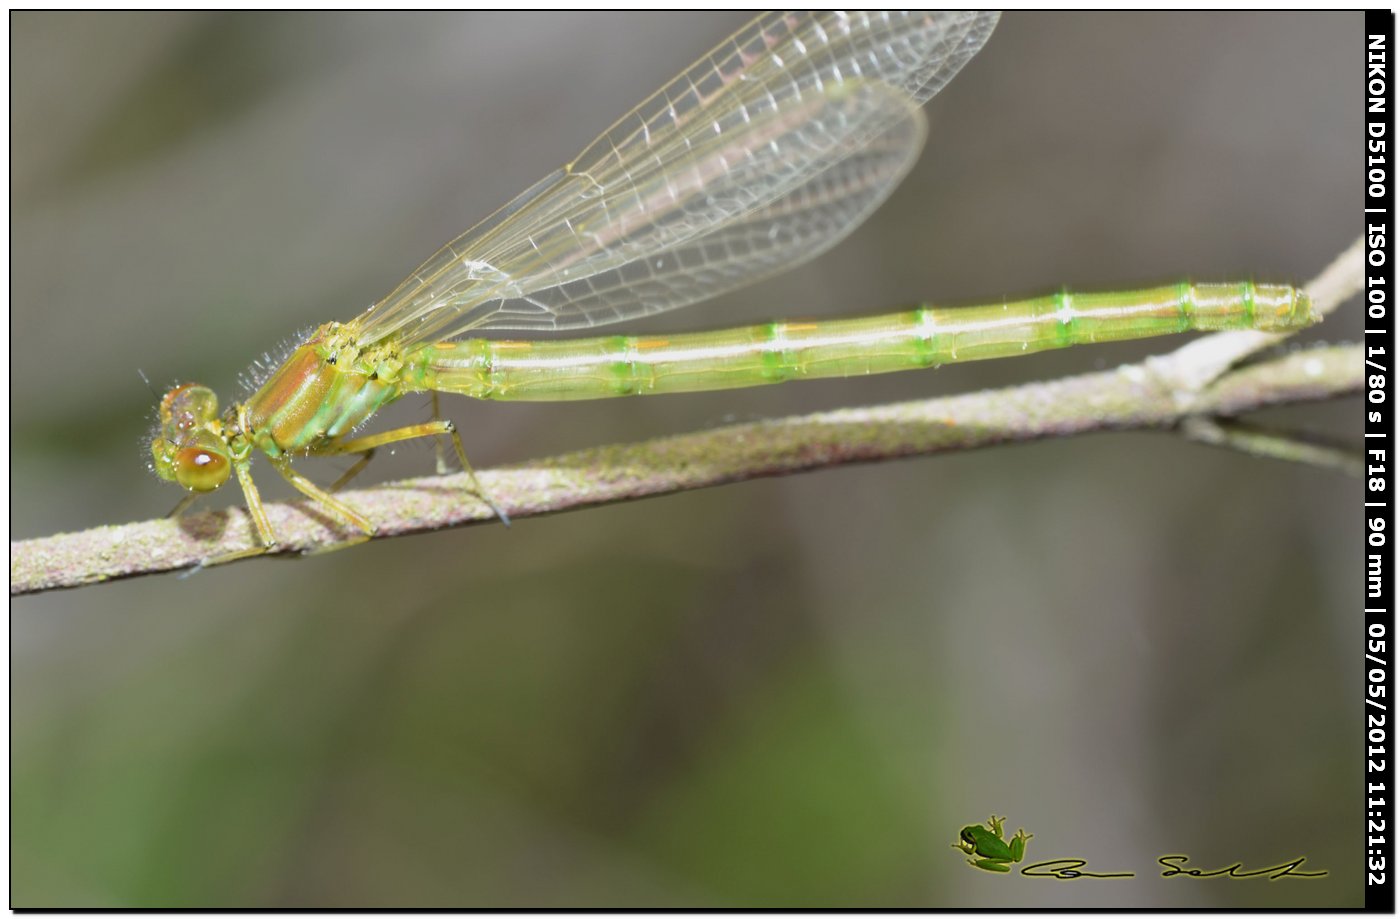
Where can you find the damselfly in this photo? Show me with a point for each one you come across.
(762, 155)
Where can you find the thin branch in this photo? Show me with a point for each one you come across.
(1291, 446)
(1123, 399)
(1190, 367)
(1136, 396)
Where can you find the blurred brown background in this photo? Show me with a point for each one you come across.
(786, 692)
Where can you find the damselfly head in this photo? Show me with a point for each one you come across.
(188, 447)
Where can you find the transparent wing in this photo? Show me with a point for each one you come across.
(763, 154)
(796, 227)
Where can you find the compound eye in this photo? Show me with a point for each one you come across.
(187, 406)
(202, 465)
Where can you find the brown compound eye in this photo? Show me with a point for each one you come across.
(202, 465)
(187, 406)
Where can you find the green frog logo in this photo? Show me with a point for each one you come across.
(987, 847)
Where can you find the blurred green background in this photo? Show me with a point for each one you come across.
(786, 692)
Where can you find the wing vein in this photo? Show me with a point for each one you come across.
(766, 152)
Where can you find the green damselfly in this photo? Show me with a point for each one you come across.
(761, 156)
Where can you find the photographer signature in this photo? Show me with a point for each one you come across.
(987, 848)
(1071, 869)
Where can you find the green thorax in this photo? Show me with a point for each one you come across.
(326, 388)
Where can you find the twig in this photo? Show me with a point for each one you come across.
(1193, 365)
(1293, 446)
(1138, 396)
(1122, 399)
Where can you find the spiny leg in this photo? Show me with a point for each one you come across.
(322, 497)
(354, 470)
(437, 444)
(253, 501)
(363, 461)
(185, 503)
(426, 429)
(451, 429)
(255, 505)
